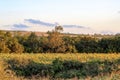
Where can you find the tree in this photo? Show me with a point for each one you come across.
(3, 46)
(55, 41)
(87, 45)
(32, 44)
(15, 46)
(70, 44)
(58, 28)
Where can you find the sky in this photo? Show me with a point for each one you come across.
(96, 16)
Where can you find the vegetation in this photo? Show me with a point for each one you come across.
(56, 42)
(69, 64)
(60, 66)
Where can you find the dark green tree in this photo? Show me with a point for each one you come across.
(32, 44)
(87, 45)
(70, 44)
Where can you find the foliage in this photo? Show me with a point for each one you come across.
(70, 44)
(87, 45)
(32, 44)
(14, 46)
(61, 66)
(57, 42)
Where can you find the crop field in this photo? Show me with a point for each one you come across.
(60, 66)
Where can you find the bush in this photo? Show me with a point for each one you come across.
(63, 68)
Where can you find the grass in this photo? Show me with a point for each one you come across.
(23, 59)
(48, 58)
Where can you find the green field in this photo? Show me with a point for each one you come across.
(60, 66)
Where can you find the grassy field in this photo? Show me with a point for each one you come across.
(13, 66)
(48, 58)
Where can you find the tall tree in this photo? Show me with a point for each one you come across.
(58, 28)
(55, 40)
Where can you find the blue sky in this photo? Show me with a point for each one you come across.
(97, 15)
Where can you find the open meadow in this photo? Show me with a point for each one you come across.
(60, 66)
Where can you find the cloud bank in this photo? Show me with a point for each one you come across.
(20, 26)
(39, 22)
(50, 24)
(46, 26)
(37, 25)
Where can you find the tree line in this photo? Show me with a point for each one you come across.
(56, 43)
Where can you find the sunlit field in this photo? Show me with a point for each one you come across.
(16, 66)
(49, 57)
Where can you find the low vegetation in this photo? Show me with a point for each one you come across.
(59, 66)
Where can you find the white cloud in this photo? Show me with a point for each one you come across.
(45, 26)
